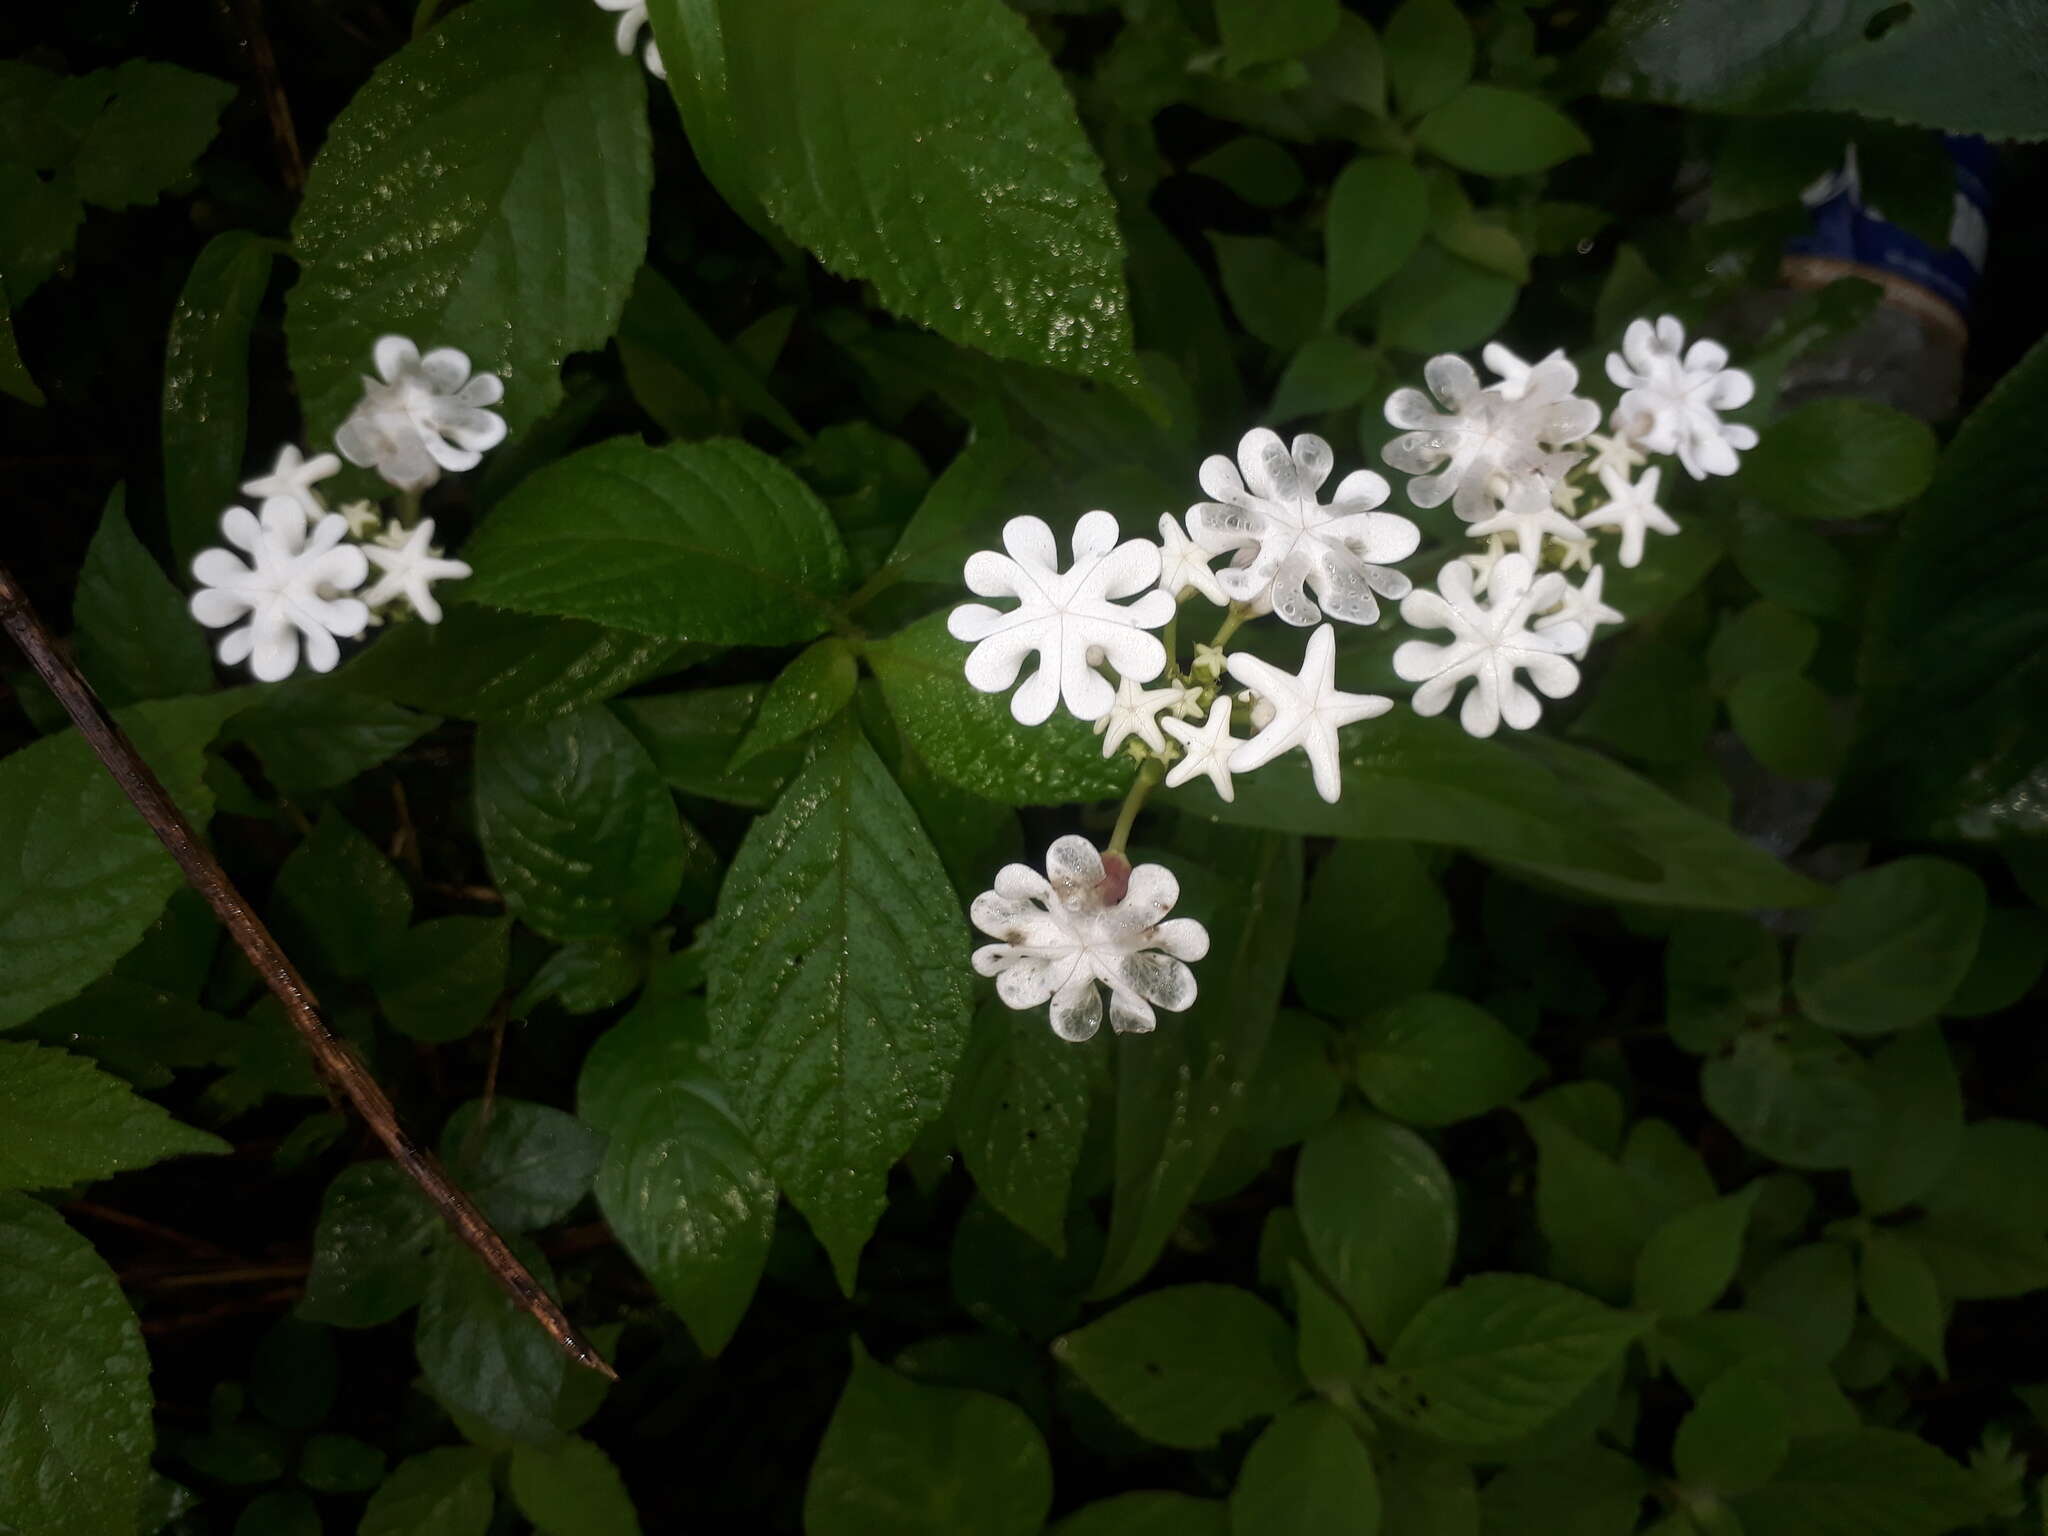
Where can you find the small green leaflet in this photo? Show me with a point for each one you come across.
(436, 1493)
(69, 1123)
(571, 1489)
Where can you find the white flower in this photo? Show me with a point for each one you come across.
(409, 567)
(1581, 605)
(1135, 713)
(1529, 517)
(292, 477)
(1270, 512)
(1631, 508)
(1308, 710)
(1483, 563)
(632, 17)
(1486, 435)
(1259, 711)
(423, 418)
(1063, 618)
(289, 589)
(1618, 452)
(1492, 641)
(1515, 375)
(1673, 400)
(1208, 747)
(1564, 495)
(1060, 936)
(363, 519)
(1183, 564)
(1576, 553)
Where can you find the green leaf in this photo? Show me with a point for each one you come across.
(1186, 1364)
(1942, 64)
(838, 988)
(81, 874)
(2010, 958)
(1256, 32)
(660, 331)
(491, 664)
(1307, 1474)
(1982, 1235)
(526, 134)
(1020, 1111)
(280, 1512)
(315, 734)
(14, 374)
(680, 1184)
(808, 693)
(1429, 54)
(1865, 1482)
(692, 736)
(134, 636)
(1900, 1291)
(1920, 1104)
(711, 541)
(75, 1448)
(525, 1164)
(1892, 947)
(154, 121)
(1811, 1291)
(691, 38)
(1735, 1437)
(970, 739)
(1380, 1216)
(481, 1353)
(1651, 703)
(1759, 638)
(902, 1457)
(206, 385)
(340, 1464)
(1690, 1260)
(1840, 457)
(70, 1123)
(436, 1493)
(438, 981)
(970, 197)
(1438, 302)
(1497, 132)
(1594, 1216)
(1590, 1492)
(1763, 164)
(1433, 1059)
(338, 900)
(1178, 1088)
(1374, 929)
(1787, 723)
(295, 1374)
(580, 833)
(1497, 1356)
(1794, 564)
(370, 1250)
(1794, 1094)
(1378, 209)
(585, 976)
(571, 1489)
(1147, 1514)
(1329, 1348)
(1261, 172)
(1720, 972)
(1328, 373)
(1277, 295)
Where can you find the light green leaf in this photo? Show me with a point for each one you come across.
(370, 1249)
(1736, 1436)
(1900, 1291)
(1590, 1492)
(1429, 54)
(1497, 1356)
(571, 1489)
(76, 1439)
(1380, 1216)
(838, 988)
(1690, 1260)
(1864, 1482)
(1498, 132)
(338, 900)
(1020, 1111)
(1921, 1106)
(710, 541)
(580, 833)
(1433, 1059)
(486, 190)
(1374, 929)
(1184, 1365)
(525, 1164)
(1255, 32)
(1840, 457)
(692, 736)
(436, 1493)
(1277, 295)
(70, 1123)
(1307, 1474)
(809, 692)
(970, 197)
(680, 1184)
(206, 385)
(1893, 946)
(1147, 1514)
(1379, 207)
(134, 636)
(481, 1353)
(437, 981)
(902, 1457)
(1794, 1094)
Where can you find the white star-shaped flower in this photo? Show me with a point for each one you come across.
(1515, 375)
(1485, 560)
(1529, 517)
(290, 589)
(1565, 494)
(292, 477)
(1308, 711)
(1265, 509)
(1208, 747)
(1184, 564)
(1675, 396)
(1631, 508)
(426, 416)
(632, 17)
(1581, 605)
(1616, 452)
(1492, 642)
(1069, 620)
(1058, 937)
(409, 567)
(1135, 713)
(1456, 457)
(1576, 553)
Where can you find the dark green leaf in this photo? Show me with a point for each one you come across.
(1379, 207)
(280, 1512)
(1256, 32)
(1787, 723)
(155, 120)
(135, 640)
(1899, 1288)
(1921, 1106)
(1811, 1292)
(1840, 457)
(1148, 1514)
(660, 331)
(1794, 564)
(70, 1123)
(2010, 957)
(1278, 296)
(1010, 1282)
(1720, 973)
(810, 691)
(1892, 947)
(338, 900)
(1590, 1492)
(692, 736)
(1380, 1216)
(1328, 373)
(1689, 1260)
(437, 982)
(1865, 1482)
(1764, 164)
(436, 1493)
(1735, 1437)
(1438, 302)
(1434, 1059)
(340, 1464)
(526, 133)
(206, 385)
(1261, 172)
(1429, 54)
(525, 1164)
(1021, 1110)
(294, 1374)
(1594, 1216)
(571, 1489)
(314, 734)
(1760, 638)
(1329, 1348)
(1500, 133)
(1307, 1474)
(838, 988)
(482, 1354)
(1982, 1234)
(1374, 929)
(1795, 1094)
(14, 375)
(584, 976)
(370, 1250)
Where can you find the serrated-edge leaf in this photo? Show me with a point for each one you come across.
(206, 384)
(69, 1123)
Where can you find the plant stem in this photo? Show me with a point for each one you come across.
(339, 1064)
(1232, 622)
(1149, 775)
(1170, 638)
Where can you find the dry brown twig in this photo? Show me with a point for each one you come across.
(337, 1063)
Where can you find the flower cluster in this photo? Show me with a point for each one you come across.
(298, 584)
(1513, 458)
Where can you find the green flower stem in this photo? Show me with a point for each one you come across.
(1170, 638)
(1232, 622)
(1149, 775)
(408, 508)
